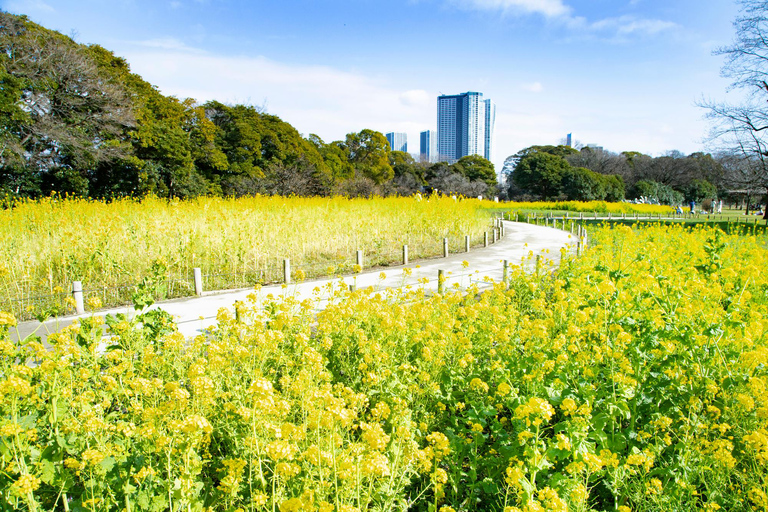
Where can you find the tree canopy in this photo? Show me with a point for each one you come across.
(557, 172)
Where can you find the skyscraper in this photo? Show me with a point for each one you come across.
(490, 122)
(428, 146)
(398, 141)
(465, 124)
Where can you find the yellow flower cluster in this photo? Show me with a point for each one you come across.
(535, 411)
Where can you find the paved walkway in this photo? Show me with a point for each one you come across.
(194, 314)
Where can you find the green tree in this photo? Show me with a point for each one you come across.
(65, 115)
(581, 184)
(369, 153)
(336, 158)
(254, 142)
(477, 168)
(172, 141)
(403, 164)
(540, 173)
(615, 189)
(699, 190)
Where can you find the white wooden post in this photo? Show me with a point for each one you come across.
(441, 281)
(77, 294)
(466, 243)
(405, 255)
(485, 239)
(198, 281)
(445, 247)
(287, 271)
(359, 258)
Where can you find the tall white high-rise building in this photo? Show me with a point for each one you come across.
(428, 146)
(398, 141)
(465, 125)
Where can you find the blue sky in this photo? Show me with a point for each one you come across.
(624, 74)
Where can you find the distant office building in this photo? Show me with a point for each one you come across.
(398, 141)
(465, 125)
(428, 146)
(569, 140)
(595, 147)
(490, 122)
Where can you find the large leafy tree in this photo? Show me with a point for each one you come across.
(615, 188)
(477, 168)
(540, 173)
(172, 141)
(581, 184)
(335, 157)
(525, 181)
(254, 144)
(369, 153)
(403, 164)
(65, 115)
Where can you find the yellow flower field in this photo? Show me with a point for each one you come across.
(633, 379)
(590, 206)
(110, 247)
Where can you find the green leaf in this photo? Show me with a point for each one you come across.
(108, 463)
(47, 471)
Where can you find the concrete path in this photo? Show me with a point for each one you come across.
(194, 314)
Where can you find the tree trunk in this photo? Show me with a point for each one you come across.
(749, 200)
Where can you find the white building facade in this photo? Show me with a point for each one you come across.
(398, 141)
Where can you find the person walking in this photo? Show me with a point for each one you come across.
(693, 207)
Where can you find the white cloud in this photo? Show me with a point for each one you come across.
(168, 43)
(532, 87)
(314, 99)
(549, 8)
(627, 25)
(559, 12)
(416, 98)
